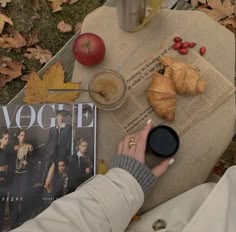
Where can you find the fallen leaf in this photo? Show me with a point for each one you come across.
(226, 22)
(73, 1)
(194, 2)
(25, 77)
(43, 55)
(35, 5)
(218, 9)
(36, 16)
(36, 90)
(78, 26)
(64, 27)
(3, 3)
(32, 39)
(9, 70)
(4, 19)
(17, 41)
(56, 5)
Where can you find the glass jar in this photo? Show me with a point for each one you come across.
(108, 90)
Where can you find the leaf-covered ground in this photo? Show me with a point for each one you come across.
(37, 22)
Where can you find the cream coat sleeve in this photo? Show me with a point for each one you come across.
(105, 203)
(218, 212)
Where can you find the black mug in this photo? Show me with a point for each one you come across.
(163, 141)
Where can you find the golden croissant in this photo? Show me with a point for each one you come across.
(186, 79)
(161, 95)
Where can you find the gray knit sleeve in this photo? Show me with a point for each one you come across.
(137, 169)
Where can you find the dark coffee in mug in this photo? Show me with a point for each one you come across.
(163, 141)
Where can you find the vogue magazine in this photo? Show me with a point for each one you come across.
(46, 152)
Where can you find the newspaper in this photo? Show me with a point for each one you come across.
(190, 109)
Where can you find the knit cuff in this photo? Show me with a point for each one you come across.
(137, 169)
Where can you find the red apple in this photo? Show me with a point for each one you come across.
(89, 49)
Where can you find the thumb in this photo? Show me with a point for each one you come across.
(162, 167)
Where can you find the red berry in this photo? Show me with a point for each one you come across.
(202, 51)
(177, 39)
(177, 45)
(185, 44)
(183, 51)
(192, 44)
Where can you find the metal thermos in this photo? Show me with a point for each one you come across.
(130, 13)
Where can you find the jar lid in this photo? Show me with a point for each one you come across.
(163, 141)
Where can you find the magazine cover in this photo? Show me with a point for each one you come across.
(46, 152)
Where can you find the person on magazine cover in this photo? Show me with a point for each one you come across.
(20, 204)
(57, 182)
(58, 145)
(80, 166)
(4, 173)
(108, 202)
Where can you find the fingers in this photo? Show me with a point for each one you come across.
(142, 139)
(162, 167)
(125, 148)
(120, 147)
(135, 148)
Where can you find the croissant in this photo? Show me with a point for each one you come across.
(186, 79)
(161, 95)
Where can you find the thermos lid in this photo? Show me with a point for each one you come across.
(163, 141)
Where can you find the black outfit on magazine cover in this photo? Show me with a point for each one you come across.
(56, 184)
(20, 205)
(58, 145)
(60, 182)
(6, 166)
(77, 170)
(4, 182)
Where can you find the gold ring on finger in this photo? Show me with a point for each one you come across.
(132, 142)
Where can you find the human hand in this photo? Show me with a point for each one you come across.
(136, 149)
(24, 162)
(2, 179)
(87, 170)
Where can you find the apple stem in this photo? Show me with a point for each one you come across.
(86, 45)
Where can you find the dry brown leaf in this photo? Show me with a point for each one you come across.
(64, 27)
(25, 77)
(16, 41)
(35, 5)
(36, 90)
(9, 70)
(73, 1)
(4, 19)
(78, 26)
(43, 55)
(32, 39)
(219, 10)
(56, 4)
(194, 2)
(36, 16)
(227, 22)
(3, 3)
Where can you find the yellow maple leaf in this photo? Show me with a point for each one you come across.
(36, 90)
(4, 19)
